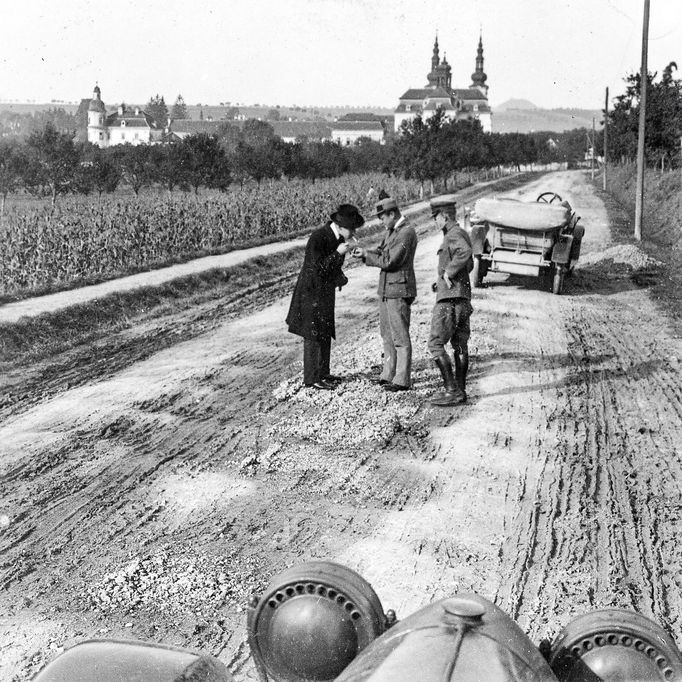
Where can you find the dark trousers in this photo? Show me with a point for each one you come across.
(316, 355)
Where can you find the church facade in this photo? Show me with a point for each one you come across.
(438, 93)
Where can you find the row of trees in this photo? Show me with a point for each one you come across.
(663, 119)
(51, 163)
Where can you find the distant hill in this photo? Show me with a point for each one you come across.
(525, 117)
(515, 104)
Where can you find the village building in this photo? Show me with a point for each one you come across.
(132, 125)
(348, 129)
(298, 131)
(438, 93)
(125, 126)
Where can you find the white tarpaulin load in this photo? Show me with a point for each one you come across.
(523, 215)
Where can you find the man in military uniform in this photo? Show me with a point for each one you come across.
(311, 313)
(450, 318)
(397, 290)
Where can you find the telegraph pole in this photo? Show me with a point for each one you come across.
(593, 150)
(643, 81)
(606, 137)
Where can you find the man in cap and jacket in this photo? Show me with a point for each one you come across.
(450, 318)
(397, 290)
(311, 313)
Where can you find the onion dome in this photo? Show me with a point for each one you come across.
(96, 103)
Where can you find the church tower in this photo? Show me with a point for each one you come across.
(97, 133)
(432, 77)
(478, 77)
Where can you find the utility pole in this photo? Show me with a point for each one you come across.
(592, 152)
(606, 137)
(643, 81)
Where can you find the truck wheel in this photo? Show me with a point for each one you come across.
(476, 274)
(558, 281)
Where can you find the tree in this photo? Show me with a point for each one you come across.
(663, 118)
(52, 161)
(258, 153)
(101, 170)
(12, 159)
(207, 163)
(170, 164)
(157, 109)
(273, 115)
(366, 156)
(135, 165)
(179, 110)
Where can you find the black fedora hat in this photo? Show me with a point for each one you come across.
(348, 216)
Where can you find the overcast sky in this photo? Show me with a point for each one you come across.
(555, 53)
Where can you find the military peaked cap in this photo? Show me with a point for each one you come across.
(444, 201)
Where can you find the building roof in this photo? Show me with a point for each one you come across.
(425, 93)
(360, 117)
(402, 108)
(132, 120)
(416, 94)
(357, 125)
(191, 127)
(469, 93)
(293, 129)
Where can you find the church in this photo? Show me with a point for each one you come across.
(438, 93)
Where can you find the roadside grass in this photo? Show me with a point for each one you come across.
(33, 339)
(661, 231)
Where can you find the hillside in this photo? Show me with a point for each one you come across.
(522, 116)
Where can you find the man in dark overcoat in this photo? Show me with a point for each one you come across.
(397, 290)
(311, 313)
(451, 313)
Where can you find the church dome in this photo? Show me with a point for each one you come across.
(479, 77)
(96, 103)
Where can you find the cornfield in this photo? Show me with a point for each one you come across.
(87, 238)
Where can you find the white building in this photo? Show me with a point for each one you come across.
(349, 132)
(124, 126)
(457, 103)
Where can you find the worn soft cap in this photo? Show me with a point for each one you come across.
(348, 216)
(442, 202)
(387, 204)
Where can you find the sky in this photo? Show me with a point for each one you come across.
(555, 53)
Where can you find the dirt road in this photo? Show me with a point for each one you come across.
(151, 502)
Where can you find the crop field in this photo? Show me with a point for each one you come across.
(88, 238)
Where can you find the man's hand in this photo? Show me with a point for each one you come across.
(447, 279)
(342, 248)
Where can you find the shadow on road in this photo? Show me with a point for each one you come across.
(586, 371)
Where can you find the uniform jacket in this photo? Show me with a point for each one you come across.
(455, 258)
(311, 313)
(395, 257)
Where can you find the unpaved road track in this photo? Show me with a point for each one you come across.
(150, 502)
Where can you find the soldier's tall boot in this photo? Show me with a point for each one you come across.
(461, 369)
(452, 395)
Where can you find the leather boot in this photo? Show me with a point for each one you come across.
(452, 394)
(461, 369)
